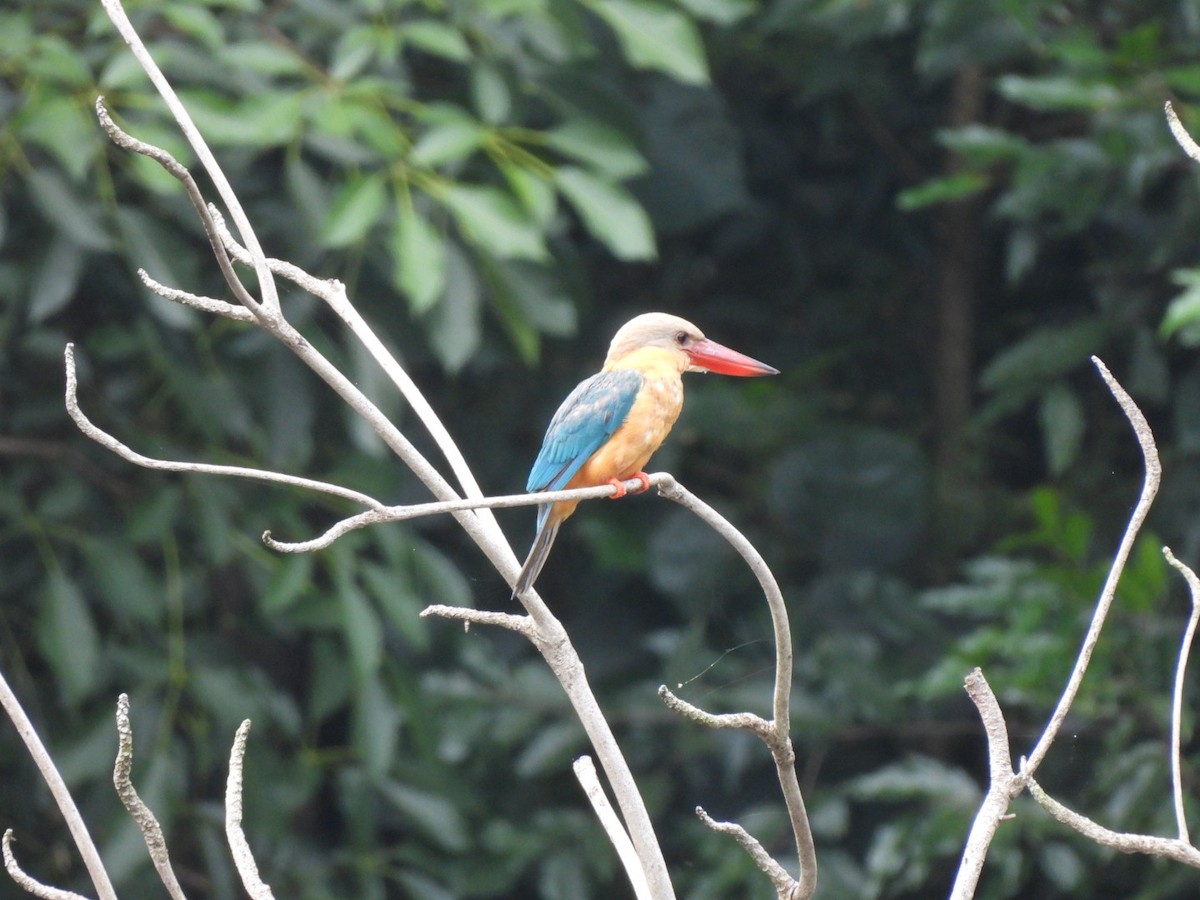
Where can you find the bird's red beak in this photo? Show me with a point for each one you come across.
(710, 355)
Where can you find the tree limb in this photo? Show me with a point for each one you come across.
(243, 857)
(26, 881)
(585, 772)
(62, 796)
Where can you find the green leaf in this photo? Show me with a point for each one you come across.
(1057, 93)
(77, 218)
(418, 259)
(67, 637)
(941, 190)
(654, 36)
(1043, 354)
(491, 220)
(1062, 421)
(438, 39)
(448, 142)
(490, 94)
(982, 144)
(263, 119)
(454, 329)
(601, 147)
(263, 57)
(610, 213)
(196, 22)
(536, 193)
(428, 812)
(361, 631)
(356, 209)
(55, 278)
(376, 727)
(1182, 317)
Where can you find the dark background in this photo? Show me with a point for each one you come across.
(927, 215)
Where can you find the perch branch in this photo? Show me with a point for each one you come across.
(1185, 650)
(62, 796)
(195, 301)
(585, 772)
(140, 813)
(26, 881)
(417, 510)
(243, 857)
(106, 440)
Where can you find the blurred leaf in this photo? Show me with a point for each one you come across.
(610, 213)
(67, 637)
(376, 727)
(604, 148)
(1044, 354)
(355, 210)
(64, 128)
(490, 94)
(361, 630)
(1062, 420)
(437, 38)
(56, 278)
(447, 142)
(78, 219)
(491, 220)
(1182, 317)
(655, 36)
(1055, 93)
(941, 190)
(428, 812)
(197, 22)
(418, 259)
(263, 57)
(268, 118)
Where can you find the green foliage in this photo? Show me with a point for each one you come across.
(500, 184)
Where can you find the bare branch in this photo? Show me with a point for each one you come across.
(62, 796)
(27, 882)
(1180, 851)
(243, 857)
(417, 510)
(1181, 136)
(585, 772)
(776, 733)
(195, 301)
(785, 885)
(467, 615)
(106, 440)
(116, 13)
(1000, 787)
(747, 721)
(146, 822)
(1189, 635)
(1150, 484)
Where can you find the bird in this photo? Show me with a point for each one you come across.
(609, 426)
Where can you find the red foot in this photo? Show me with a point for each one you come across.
(622, 490)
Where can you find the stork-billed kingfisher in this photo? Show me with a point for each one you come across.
(609, 426)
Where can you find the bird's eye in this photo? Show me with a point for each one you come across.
(681, 338)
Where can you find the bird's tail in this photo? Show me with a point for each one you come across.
(537, 557)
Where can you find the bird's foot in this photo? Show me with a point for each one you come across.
(622, 490)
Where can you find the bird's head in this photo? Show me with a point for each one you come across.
(697, 353)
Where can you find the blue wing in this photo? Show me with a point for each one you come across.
(586, 419)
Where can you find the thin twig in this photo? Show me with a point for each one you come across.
(785, 884)
(266, 284)
(97, 434)
(27, 882)
(468, 616)
(243, 856)
(195, 301)
(1150, 484)
(746, 721)
(140, 813)
(58, 788)
(1189, 635)
(1178, 850)
(1181, 136)
(585, 772)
